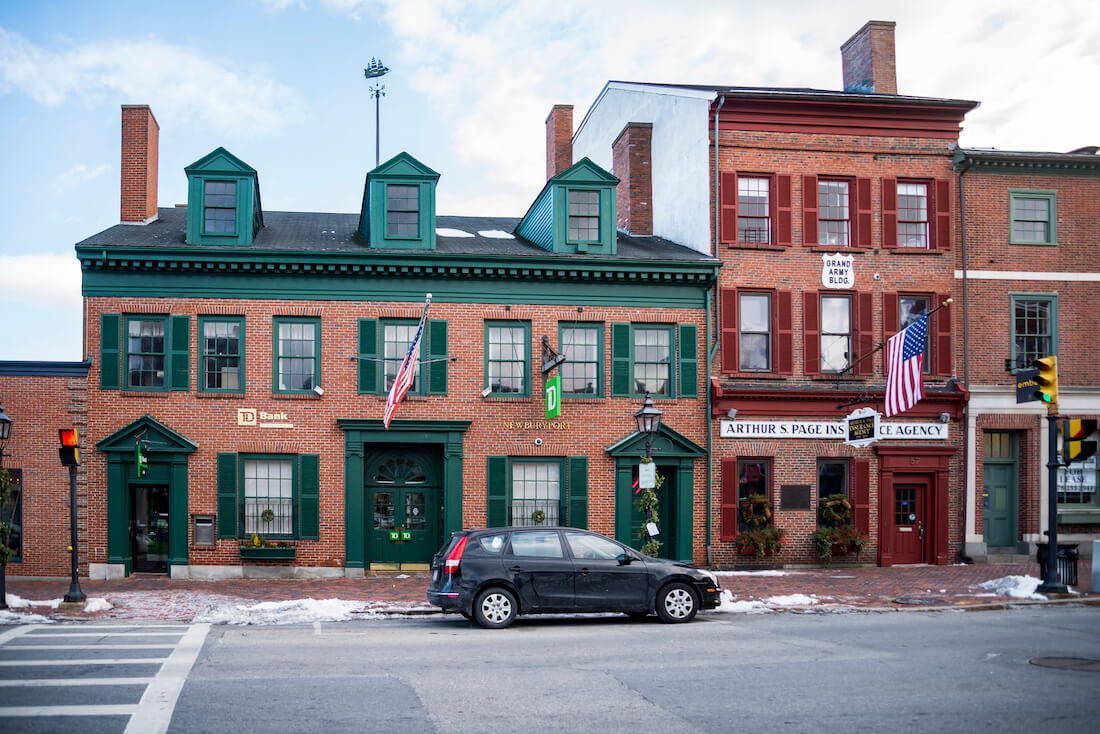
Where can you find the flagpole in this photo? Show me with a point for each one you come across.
(880, 347)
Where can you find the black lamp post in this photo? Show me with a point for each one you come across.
(5, 433)
(648, 422)
(374, 70)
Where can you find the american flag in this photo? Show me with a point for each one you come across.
(904, 366)
(404, 379)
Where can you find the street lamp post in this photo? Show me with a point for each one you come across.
(648, 422)
(5, 433)
(376, 69)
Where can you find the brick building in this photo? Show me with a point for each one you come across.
(40, 398)
(244, 357)
(836, 217)
(1028, 274)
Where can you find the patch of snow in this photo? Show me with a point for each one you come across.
(1019, 587)
(402, 576)
(8, 617)
(445, 232)
(791, 600)
(18, 602)
(740, 607)
(98, 605)
(495, 234)
(751, 573)
(295, 611)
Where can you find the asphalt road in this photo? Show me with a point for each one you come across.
(927, 671)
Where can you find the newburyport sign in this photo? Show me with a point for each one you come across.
(830, 430)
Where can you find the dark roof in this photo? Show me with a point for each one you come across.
(338, 233)
(19, 368)
(807, 93)
(1085, 155)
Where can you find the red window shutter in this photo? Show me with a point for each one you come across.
(861, 496)
(783, 208)
(809, 211)
(942, 342)
(811, 333)
(865, 337)
(728, 502)
(943, 214)
(889, 315)
(784, 333)
(729, 329)
(863, 213)
(889, 212)
(729, 207)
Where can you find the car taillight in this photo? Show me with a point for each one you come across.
(451, 564)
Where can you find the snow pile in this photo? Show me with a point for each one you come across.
(752, 573)
(18, 602)
(740, 607)
(98, 605)
(7, 617)
(791, 600)
(1020, 587)
(295, 611)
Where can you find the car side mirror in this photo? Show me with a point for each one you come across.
(625, 559)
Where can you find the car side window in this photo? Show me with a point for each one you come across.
(492, 543)
(583, 545)
(537, 544)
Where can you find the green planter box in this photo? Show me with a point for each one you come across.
(267, 554)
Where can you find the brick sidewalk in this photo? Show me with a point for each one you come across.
(897, 587)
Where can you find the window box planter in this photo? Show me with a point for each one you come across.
(264, 553)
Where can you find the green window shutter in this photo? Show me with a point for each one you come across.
(368, 352)
(227, 496)
(180, 357)
(108, 351)
(620, 360)
(497, 491)
(578, 491)
(437, 357)
(309, 497)
(689, 361)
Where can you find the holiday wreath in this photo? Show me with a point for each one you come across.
(756, 510)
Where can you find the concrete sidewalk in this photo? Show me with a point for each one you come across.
(835, 588)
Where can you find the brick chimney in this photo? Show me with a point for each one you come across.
(869, 61)
(631, 164)
(140, 140)
(559, 139)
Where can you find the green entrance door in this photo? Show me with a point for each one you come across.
(149, 529)
(666, 514)
(999, 489)
(403, 491)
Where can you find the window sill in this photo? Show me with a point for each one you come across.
(268, 554)
(915, 251)
(148, 393)
(837, 248)
(754, 246)
(1078, 517)
(221, 395)
(508, 399)
(295, 396)
(755, 376)
(585, 400)
(1035, 244)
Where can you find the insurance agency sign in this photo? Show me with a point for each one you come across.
(889, 430)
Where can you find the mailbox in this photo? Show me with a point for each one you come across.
(202, 533)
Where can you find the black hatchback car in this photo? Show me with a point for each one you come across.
(491, 576)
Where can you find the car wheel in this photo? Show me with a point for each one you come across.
(677, 603)
(495, 608)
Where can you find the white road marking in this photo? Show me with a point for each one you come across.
(80, 661)
(161, 646)
(154, 712)
(89, 710)
(15, 632)
(48, 682)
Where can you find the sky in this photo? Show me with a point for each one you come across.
(280, 84)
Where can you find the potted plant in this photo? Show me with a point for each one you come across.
(257, 548)
(762, 542)
(836, 534)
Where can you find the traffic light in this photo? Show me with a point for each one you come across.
(142, 460)
(68, 453)
(1047, 379)
(1074, 446)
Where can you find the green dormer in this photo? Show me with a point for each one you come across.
(574, 212)
(223, 201)
(399, 205)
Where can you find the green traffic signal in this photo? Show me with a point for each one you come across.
(1047, 378)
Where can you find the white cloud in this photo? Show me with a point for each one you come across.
(176, 81)
(76, 176)
(50, 282)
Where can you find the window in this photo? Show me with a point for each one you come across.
(582, 371)
(508, 355)
(584, 216)
(402, 211)
(912, 214)
(832, 478)
(396, 338)
(754, 332)
(834, 221)
(753, 209)
(297, 355)
(753, 477)
(222, 355)
(268, 496)
(145, 352)
(536, 493)
(836, 333)
(1034, 217)
(1034, 332)
(592, 547)
(653, 360)
(537, 544)
(219, 213)
(911, 308)
(11, 513)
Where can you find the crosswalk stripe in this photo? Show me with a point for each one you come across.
(154, 712)
(51, 635)
(89, 710)
(162, 646)
(60, 682)
(111, 661)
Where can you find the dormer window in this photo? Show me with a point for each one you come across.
(219, 215)
(574, 213)
(584, 215)
(402, 211)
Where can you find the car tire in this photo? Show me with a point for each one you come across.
(677, 603)
(495, 608)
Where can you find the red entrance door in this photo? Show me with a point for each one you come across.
(909, 522)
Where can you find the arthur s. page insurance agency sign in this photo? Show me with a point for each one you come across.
(830, 430)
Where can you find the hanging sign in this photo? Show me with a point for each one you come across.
(553, 397)
(861, 427)
(837, 271)
(647, 476)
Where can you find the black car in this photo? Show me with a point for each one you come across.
(491, 576)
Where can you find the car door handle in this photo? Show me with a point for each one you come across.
(584, 570)
(517, 568)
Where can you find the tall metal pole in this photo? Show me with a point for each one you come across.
(377, 130)
(1051, 583)
(374, 70)
(75, 595)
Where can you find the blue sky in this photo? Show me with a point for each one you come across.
(280, 84)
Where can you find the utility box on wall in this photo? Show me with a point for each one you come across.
(202, 532)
